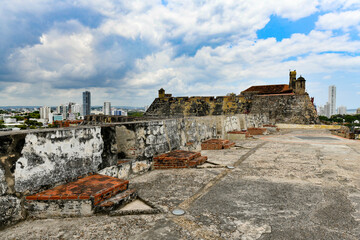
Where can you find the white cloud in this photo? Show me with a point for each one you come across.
(333, 5)
(339, 20)
(59, 55)
(187, 47)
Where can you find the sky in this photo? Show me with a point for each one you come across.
(125, 51)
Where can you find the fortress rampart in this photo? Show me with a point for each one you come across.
(34, 160)
(284, 103)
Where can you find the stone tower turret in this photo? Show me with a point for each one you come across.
(300, 85)
(292, 79)
(161, 93)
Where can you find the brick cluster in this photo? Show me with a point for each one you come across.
(178, 159)
(256, 131)
(247, 134)
(216, 144)
(96, 187)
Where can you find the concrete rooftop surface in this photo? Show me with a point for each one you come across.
(298, 184)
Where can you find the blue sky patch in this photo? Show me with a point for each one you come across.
(86, 17)
(281, 28)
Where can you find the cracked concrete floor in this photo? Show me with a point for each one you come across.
(302, 184)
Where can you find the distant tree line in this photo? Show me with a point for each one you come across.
(345, 119)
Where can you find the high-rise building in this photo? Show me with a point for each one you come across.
(107, 108)
(63, 110)
(86, 103)
(332, 100)
(321, 111)
(44, 112)
(342, 110)
(75, 108)
(327, 110)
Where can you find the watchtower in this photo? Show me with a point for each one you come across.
(292, 79)
(300, 85)
(161, 93)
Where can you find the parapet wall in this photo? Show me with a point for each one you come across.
(198, 106)
(295, 109)
(32, 161)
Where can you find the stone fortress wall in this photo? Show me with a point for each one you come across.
(197, 106)
(291, 109)
(284, 103)
(31, 161)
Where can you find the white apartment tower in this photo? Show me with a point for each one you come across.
(107, 108)
(342, 110)
(332, 100)
(44, 112)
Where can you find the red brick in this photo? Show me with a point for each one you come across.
(33, 197)
(71, 197)
(83, 197)
(55, 197)
(43, 197)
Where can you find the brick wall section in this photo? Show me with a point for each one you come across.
(256, 131)
(95, 187)
(178, 159)
(216, 144)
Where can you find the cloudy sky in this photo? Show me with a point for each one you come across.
(124, 51)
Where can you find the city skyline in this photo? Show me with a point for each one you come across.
(124, 52)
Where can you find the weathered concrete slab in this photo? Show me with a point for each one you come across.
(168, 188)
(224, 157)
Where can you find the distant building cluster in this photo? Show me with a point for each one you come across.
(329, 109)
(73, 111)
(64, 115)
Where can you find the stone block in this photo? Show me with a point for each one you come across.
(109, 171)
(124, 169)
(10, 210)
(3, 184)
(59, 208)
(140, 166)
(236, 136)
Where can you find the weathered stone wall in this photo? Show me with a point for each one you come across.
(198, 106)
(52, 157)
(38, 160)
(296, 109)
(282, 108)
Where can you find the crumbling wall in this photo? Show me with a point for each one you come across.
(11, 210)
(62, 155)
(296, 109)
(39, 159)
